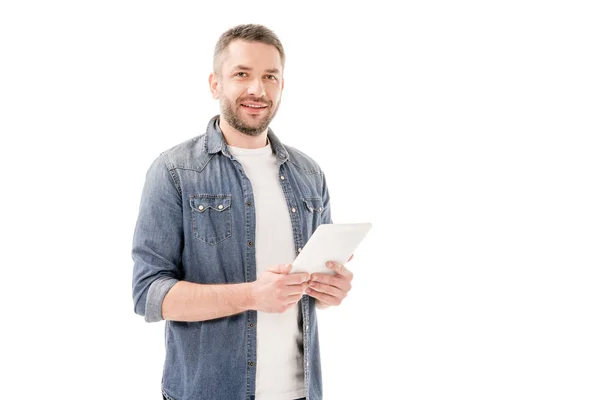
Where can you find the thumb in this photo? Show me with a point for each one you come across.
(281, 268)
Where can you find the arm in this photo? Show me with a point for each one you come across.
(157, 241)
(158, 291)
(275, 291)
(187, 301)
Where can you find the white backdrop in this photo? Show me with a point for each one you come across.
(466, 132)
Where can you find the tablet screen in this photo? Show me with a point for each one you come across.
(329, 242)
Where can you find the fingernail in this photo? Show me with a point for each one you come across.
(329, 264)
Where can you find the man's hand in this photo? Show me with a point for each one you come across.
(276, 290)
(330, 290)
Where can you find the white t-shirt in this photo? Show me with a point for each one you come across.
(279, 361)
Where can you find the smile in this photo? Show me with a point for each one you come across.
(254, 105)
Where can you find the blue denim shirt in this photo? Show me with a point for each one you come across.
(175, 239)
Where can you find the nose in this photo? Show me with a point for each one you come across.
(256, 88)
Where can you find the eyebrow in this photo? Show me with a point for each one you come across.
(246, 68)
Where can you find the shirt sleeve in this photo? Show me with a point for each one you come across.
(326, 214)
(157, 241)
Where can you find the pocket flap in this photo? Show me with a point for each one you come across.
(202, 203)
(314, 204)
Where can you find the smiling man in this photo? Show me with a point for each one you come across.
(248, 81)
(221, 218)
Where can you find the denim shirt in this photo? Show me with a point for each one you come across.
(197, 223)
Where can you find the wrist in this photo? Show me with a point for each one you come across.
(249, 296)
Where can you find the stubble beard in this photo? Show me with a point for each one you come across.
(237, 122)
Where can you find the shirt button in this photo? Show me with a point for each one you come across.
(293, 209)
(320, 209)
(220, 206)
(251, 325)
(249, 243)
(200, 208)
(248, 204)
(282, 177)
(251, 364)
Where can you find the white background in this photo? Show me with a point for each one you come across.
(466, 132)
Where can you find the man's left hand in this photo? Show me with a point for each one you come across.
(330, 290)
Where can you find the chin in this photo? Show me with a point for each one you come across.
(253, 123)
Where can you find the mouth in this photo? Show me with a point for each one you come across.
(254, 107)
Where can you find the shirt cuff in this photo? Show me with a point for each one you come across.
(156, 293)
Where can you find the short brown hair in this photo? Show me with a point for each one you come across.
(249, 33)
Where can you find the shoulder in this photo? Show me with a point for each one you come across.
(302, 161)
(190, 154)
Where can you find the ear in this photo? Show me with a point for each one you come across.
(282, 83)
(213, 82)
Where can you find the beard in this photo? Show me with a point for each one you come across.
(235, 119)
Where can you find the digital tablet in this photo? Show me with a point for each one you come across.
(329, 242)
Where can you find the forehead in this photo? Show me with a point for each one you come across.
(255, 55)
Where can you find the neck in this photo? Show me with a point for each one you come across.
(235, 138)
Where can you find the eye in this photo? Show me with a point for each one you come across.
(241, 74)
(271, 77)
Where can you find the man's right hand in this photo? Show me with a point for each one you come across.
(276, 290)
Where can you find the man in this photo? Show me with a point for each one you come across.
(221, 218)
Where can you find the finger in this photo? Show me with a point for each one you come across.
(295, 290)
(324, 297)
(296, 278)
(327, 289)
(339, 268)
(290, 305)
(340, 282)
(281, 268)
(285, 291)
(294, 298)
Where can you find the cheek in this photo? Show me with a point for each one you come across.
(232, 92)
(274, 94)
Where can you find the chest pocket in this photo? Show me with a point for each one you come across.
(211, 217)
(313, 207)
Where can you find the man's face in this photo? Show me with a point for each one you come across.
(249, 85)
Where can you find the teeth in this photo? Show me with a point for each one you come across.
(253, 106)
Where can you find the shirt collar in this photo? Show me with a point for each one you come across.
(215, 141)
